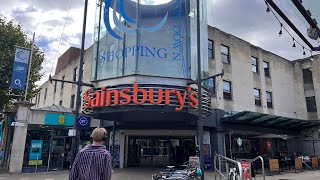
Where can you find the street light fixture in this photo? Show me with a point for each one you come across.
(199, 82)
(79, 84)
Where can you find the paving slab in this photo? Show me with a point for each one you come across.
(145, 174)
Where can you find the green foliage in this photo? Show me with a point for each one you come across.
(11, 34)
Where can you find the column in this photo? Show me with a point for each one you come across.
(19, 136)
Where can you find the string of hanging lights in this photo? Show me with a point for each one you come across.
(294, 41)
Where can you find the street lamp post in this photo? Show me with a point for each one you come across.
(79, 83)
(199, 82)
(200, 120)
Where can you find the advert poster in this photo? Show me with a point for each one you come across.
(207, 157)
(35, 153)
(194, 162)
(246, 169)
(269, 145)
(116, 156)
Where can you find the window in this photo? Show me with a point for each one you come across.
(311, 104)
(307, 76)
(72, 103)
(211, 86)
(210, 49)
(254, 64)
(62, 83)
(269, 99)
(45, 93)
(266, 68)
(227, 94)
(75, 74)
(55, 87)
(60, 103)
(225, 54)
(39, 97)
(257, 97)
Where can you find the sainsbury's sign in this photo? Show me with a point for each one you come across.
(139, 96)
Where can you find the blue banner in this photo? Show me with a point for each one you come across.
(20, 69)
(19, 74)
(84, 121)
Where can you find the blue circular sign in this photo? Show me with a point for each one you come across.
(83, 121)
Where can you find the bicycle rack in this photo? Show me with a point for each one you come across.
(227, 161)
(262, 166)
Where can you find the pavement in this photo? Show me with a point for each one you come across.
(145, 174)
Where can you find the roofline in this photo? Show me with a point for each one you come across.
(250, 43)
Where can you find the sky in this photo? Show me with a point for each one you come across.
(246, 19)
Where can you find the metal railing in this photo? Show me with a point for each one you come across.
(235, 172)
(262, 166)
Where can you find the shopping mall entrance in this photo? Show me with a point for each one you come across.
(159, 151)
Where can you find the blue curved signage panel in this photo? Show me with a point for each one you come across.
(147, 38)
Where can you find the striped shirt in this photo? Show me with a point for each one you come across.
(92, 163)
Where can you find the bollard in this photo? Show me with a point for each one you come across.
(37, 164)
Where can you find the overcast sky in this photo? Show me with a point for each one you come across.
(246, 19)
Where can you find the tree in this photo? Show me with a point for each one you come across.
(11, 34)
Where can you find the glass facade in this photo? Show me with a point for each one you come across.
(148, 38)
(50, 146)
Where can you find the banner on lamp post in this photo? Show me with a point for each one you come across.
(20, 69)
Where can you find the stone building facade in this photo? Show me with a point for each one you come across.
(280, 82)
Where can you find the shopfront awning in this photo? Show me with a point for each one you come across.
(56, 108)
(269, 121)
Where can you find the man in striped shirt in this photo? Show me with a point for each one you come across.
(94, 161)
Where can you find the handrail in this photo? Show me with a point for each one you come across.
(219, 157)
(262, 166)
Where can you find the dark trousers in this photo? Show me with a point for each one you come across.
(252, 170)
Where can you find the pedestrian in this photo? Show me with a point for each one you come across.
(93, 162)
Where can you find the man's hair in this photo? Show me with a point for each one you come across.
(98, 134)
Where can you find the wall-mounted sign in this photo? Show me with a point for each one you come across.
(59, 119)
(84, 121)
(139, 96)
(72, 132)
(35, 153)
(18, 124)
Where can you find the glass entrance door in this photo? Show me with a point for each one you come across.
(145, 152)
(159, 151)
(57, 153)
